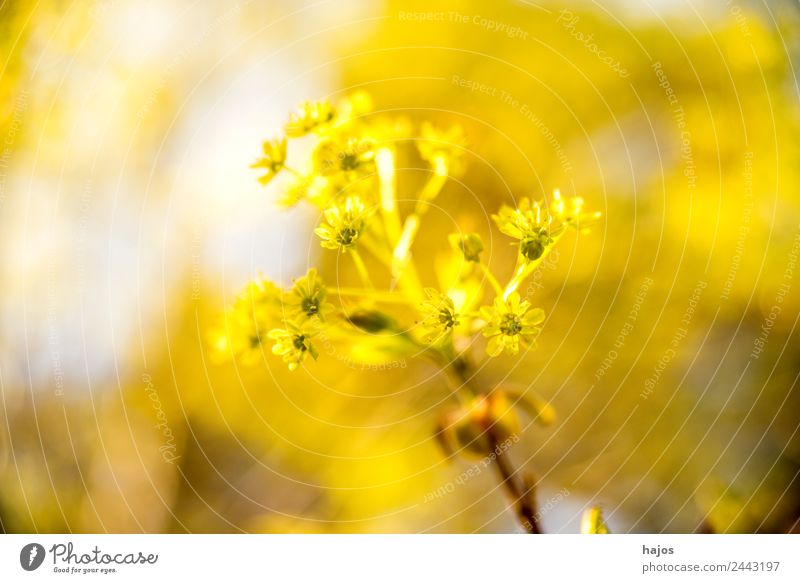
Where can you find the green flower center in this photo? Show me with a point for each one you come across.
(310, 306)
(299, 343)
(471, 251)
(349, 161)
(447, 319)
(511, 325)
(347, 236)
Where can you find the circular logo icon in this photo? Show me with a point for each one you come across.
(31, 556)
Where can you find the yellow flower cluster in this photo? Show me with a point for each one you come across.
(351, 179)
(263, 311)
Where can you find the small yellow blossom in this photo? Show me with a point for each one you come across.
(517, 222)
(344, 154)
(342, 186)
(296, 191)
(273, 160)
(345, 223)
(509, 324)
(389, 130)
(322, 191)
(308, 297)
(570, 212)
(256, 310)
(239, 339)
(443, 146)
(530, 224)
(439, 316)
(293, 342)
(355, 105)
(310, 116)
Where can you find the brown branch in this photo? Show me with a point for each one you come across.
(522, 497)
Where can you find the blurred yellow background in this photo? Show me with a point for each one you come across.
(129, 219)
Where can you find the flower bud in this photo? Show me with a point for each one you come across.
(470, 245)
(592, 522)
(372, 321)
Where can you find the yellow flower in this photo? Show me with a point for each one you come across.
(439, 316)
(308, 297)
(388, 130)
(517, 222)
(571, 212)
(438, 146)
(256, 310)
(310, 116)
(509, 324)
(293, 342)
(273, 160)
(238, 339)
(354, 106)
(346, 222)
(528, 223)
(261, 297)
(344, 154)
(295, 191)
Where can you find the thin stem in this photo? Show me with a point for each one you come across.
(373, 246)
(453, 369)
(377, 295)
(404, 271)
(293, 171)
(362, 269)
(384, 159)
(412, 223)
(526, 268)
(434, 186)
(492, 280)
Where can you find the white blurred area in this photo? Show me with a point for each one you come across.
(128, 172)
